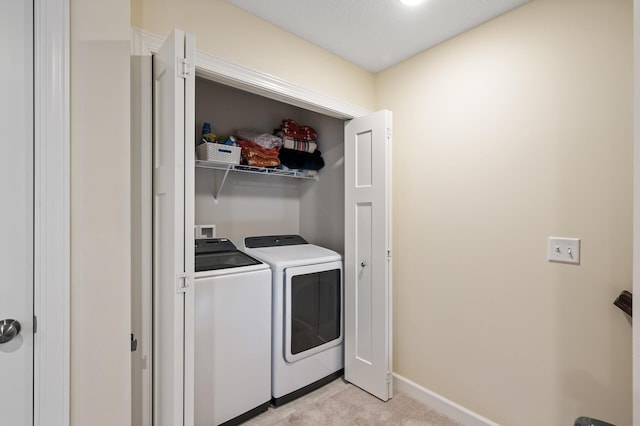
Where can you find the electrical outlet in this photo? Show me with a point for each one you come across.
(204, 231)
(564, 250)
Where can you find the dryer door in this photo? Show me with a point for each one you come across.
(313, 309)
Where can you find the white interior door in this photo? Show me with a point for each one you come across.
(173, 182)
(16, 218)
(368, 342)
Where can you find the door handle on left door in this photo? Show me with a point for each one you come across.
(9, 329)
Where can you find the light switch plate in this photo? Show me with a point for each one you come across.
(564, 250)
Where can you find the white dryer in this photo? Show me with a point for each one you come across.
(232, 334)
(307, 313)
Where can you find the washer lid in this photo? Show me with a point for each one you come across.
(294, 255)
(220, 253)
(213, 245)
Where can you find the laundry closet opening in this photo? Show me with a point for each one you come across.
(289, 314)
(250, 204)
(336, 214)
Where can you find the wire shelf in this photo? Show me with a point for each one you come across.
(250, 169)
(292, 173)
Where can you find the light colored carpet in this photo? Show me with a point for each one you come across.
(340, 403)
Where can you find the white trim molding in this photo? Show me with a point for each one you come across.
(225, 72)
(636, 210)
(52, 213)
(439, 403)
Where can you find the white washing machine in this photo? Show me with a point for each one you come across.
(232, 334)
(307, 314)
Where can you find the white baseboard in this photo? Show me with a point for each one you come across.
(439, 403)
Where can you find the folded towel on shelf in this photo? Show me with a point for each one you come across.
(301, 160)
(255, 155)
(248, 144)
(299, 145)
(290, 128)
(257, 161)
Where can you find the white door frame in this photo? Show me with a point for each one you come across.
(636, 210)
(51, 216)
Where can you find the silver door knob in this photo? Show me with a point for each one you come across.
(9, 329)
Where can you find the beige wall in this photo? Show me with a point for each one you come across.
(226, 31)
(515, 131)
(100, 217)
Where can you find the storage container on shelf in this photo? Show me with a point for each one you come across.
(218, 153)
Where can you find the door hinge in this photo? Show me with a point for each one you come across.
(388, 134)
(35, 324)
(134, 343)
(389, 377)
(388, 254)
(182, 283)
(183, 68)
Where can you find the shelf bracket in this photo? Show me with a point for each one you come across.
(217, 194)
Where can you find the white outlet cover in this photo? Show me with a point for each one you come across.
(563, 250)
(204, 231)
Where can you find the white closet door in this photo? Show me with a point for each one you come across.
(368, 342)
(173, 179)
(16, 213)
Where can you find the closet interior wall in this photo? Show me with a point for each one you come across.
(251, 204)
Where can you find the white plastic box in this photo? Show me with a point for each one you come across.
(218, 153)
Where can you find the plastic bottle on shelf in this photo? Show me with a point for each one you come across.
(207, 136)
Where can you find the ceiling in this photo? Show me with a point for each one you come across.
(376, 34)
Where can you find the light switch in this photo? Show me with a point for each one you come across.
(564, 250)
